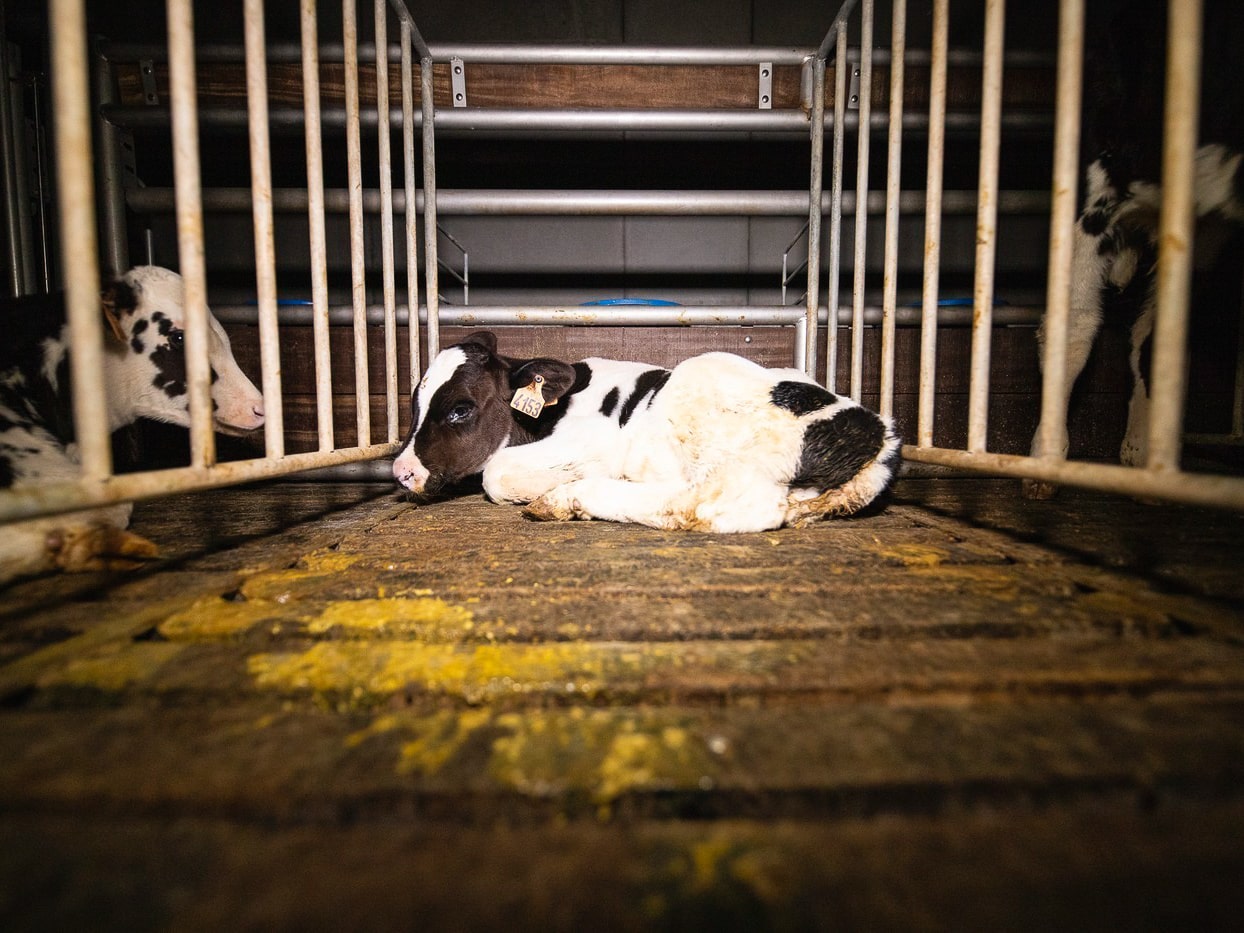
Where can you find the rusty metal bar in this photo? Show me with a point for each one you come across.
(70, 101)
(1175, 234)
(986, 225)
(265, 241)
(409, 205)
(358, 256)
(894, 157)
(1062, 225)
(187, 181)
(386, 219)
(315, 218)
(933, 222)
(861, 197)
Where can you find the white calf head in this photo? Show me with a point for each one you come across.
(460, 411)
(147, 368)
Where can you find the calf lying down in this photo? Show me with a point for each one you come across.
(144, 377)
(718, 443)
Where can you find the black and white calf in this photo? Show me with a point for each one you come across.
(1115, 237)
(717, 443)
(144, 376)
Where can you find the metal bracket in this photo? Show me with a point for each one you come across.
(457, 81)
(765, 100)
(853, 90)
(146, 70)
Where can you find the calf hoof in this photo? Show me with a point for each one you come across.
(1038, 489)
(87, 548)
(552, 508)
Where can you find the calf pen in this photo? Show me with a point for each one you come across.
(326, 702)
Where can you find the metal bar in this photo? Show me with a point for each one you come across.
(315, 217)
(358, 257)
(933, 210)
(1175, 233)
(15, 278)
(817, 159)
(986, 225)
(1062, 225)
(861, 193)
(403, 14)
(432, 285)
(1174, 485)
(536, 54)
(187, 180)
(683, 315)
(409, 203)
(835, 208)
(894, 156)
(521, 122)
(265, 242)
(388, 276)
(70, 94)
(840, 21)
(109, 175)
(51, 499)
(601, 202)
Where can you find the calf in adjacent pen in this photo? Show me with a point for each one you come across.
(144, 377)
(1115, 237)
(717, 443)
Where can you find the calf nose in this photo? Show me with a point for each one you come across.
(409, 472)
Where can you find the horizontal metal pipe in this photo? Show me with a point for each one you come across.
(1190, 488)
(505, 202)
(636, 316)
(537, 121)
(58, 498)
(493, 53)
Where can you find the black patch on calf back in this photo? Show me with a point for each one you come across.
(801, 398)
(652, 381)
(610, 402)
(837, 448)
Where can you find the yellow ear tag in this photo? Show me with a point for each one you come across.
(530, 400)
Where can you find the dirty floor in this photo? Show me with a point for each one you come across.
(331, 709)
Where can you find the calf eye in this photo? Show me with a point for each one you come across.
(176, 339)
(461, 413)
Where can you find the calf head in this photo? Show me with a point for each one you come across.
(146, 366)
(461, 415)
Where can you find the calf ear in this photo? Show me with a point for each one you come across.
(558, 377)
(117, 299)
(483, 338)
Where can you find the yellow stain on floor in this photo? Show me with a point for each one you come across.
(914, 555)
(426, 618)
(113, 668)
(216, 617)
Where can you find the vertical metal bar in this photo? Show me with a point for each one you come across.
(833, 291)
(1170, 327)
(187, 184)
(1062, 222)
(70, 97)
(265, 242)
(861, 199)
(808, 360)
(358, 258)
(986, 225)
(15, 278)
(412, 215)
(109, 175)
(315, 218)
(801, 341)
(386, 218)
(933, 222)
(41, 186)
(432, 287)
(894, 156)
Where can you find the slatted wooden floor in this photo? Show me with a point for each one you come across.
(327, 708)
